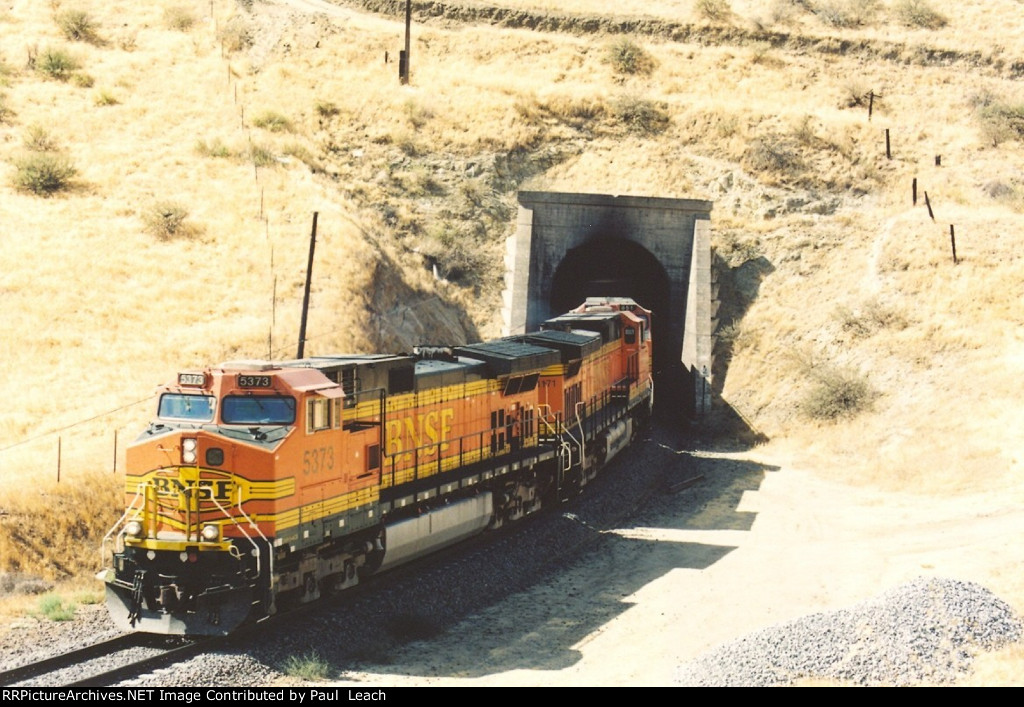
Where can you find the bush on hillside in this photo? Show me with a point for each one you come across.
(167, 219)
(55, 63)
(179, 18)
(640, 115)
(714, 10)
(44, 173)
(1002, 122)
(773, 155)
(273, 121)
(918, 13)
(213, 148)
(78, 26)
(846, 13)
(837, 393)
(628, 57)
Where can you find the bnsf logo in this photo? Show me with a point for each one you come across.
(204, 489)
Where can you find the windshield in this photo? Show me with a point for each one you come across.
(178, 406)
(258, 410)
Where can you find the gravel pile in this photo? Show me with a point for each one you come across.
(926, 631)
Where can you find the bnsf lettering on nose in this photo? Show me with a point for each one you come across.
(204, 489)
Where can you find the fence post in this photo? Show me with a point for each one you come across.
(952, 242)
(888, 150)
(928, 203)
(913, 189)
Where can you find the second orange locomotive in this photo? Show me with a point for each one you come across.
(262, 482)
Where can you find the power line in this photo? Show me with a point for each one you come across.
(76, 424)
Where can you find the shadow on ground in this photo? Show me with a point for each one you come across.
(537, 624)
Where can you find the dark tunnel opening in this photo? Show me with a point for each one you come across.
(623, 268)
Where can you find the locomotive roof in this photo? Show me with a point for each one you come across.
(509, 356)
(571, 344)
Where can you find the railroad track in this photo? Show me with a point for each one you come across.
(107, 662)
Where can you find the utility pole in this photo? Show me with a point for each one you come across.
(403, 58)
(305, 297)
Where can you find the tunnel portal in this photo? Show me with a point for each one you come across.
(571, 246)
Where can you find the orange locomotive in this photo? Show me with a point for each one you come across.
(260, 483)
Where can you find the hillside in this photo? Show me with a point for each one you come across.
(202, 136)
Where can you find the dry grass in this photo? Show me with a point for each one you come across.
(78, 512)
(779, 139)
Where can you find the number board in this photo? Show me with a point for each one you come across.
(246, 380)
(195, 380)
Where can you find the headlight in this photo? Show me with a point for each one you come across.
(210, 532)
(133, 528)
(188, 450)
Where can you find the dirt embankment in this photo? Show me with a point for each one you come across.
(705, 34)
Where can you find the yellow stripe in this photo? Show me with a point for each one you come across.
(251, 490)
(317, 511)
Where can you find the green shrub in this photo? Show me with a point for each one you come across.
(56, 63)
(44, 173)
(640, 115)
(272, 121)
(179, 18)
(55, 609)
(918, 13)
(1001, 122)
(166, 219)
(837, 393)
(310, 666)
(627, 57)
(78, 26)
(213, 148)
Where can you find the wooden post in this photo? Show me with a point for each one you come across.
(871, 103)
(938, 160)
(913, 190)
(952, 242)
(928, 203)
(888, 150)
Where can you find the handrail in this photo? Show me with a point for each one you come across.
(131, 506)
(254, 526)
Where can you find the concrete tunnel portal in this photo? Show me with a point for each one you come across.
(571, 246)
